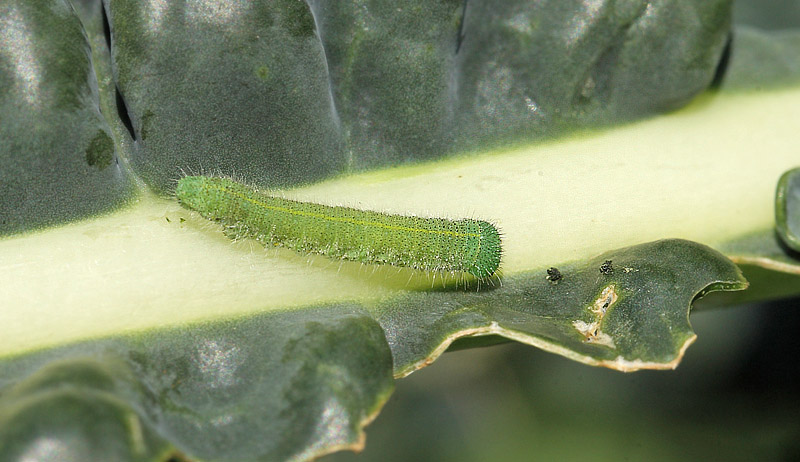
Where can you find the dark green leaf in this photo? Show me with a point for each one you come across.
(239, 88)
(289, 92)
(269, 387)
(787, 209)
(58, 160)
(87, 416)
(772, 268)
(627, 309)
(282, 93)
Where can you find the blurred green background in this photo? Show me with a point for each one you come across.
(733, 398)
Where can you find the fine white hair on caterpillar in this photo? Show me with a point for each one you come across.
(427, 244)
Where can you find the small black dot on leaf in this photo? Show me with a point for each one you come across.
(554, 275)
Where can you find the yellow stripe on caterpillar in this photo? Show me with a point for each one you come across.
(427, 244)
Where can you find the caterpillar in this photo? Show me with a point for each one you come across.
(426, 244)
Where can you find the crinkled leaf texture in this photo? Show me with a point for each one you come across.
(627, 309)
(144, 334)
(285, 385)
(286, 92)
(277, 386)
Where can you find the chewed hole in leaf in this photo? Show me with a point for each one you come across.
(592, 330)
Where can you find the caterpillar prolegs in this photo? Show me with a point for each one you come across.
(427, 244)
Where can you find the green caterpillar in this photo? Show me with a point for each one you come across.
(427, 244)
